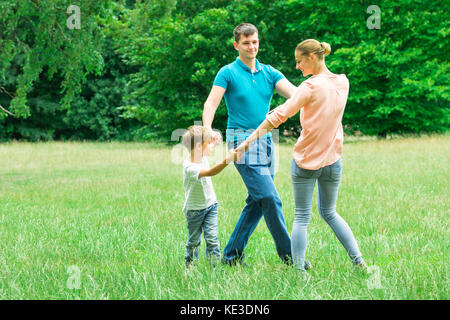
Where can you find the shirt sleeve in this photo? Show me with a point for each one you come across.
(300, 98)
(192, 172)
(276, 75)
(221, 79)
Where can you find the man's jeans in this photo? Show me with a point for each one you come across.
(206, 220)
(257, 171)
(303, 182)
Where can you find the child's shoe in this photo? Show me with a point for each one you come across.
(189, 263)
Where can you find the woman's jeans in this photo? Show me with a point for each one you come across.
(202, 220)
(303, 182)
(257, 171)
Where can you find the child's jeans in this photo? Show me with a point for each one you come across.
(328, 179)
(202, 220)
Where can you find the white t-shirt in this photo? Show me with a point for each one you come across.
(199, 191)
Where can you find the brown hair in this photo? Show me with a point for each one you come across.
(196, 134)
(244, 28)
(320, 49)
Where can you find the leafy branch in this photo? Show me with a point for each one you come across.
(2, 89)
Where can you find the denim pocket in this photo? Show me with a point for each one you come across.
(336, 170)
(305, 173)
(191, 214)
(300, 172)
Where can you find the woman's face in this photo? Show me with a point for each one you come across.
(304, 63)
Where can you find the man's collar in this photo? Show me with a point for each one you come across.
(245, 67)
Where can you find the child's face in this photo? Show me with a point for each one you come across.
(207, 148)
(203, 150)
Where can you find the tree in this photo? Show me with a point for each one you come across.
(34, 36)
(398, 73)
(162, 57)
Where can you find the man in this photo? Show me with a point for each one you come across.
(248, 88)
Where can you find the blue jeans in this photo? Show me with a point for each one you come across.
(303, 182)
(257, 171)
(202, 220)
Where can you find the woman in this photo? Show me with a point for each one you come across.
(318, 151)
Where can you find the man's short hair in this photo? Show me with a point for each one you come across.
(245, 29)
(196, 134)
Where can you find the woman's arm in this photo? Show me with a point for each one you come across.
(291, 106)
(278, 115)
(264, 128)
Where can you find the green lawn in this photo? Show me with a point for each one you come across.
(112, 212)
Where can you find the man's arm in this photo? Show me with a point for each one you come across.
(285, 88)
(211, 105)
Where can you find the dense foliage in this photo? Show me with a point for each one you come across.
(61, 83)
(141, 69)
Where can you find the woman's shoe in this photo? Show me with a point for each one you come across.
(362, 266)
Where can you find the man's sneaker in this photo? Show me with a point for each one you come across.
(307, 265)
(233, 263)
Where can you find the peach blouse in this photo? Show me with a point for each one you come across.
(323, 98)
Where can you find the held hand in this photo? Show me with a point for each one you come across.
(239, 152)
(232, 155)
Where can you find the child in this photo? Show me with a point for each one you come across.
(200, 206)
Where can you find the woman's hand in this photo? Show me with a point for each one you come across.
(242, 148)
(232, 155)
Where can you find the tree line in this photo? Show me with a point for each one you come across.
(137, 70)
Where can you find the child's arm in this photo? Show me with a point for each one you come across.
(217, 168)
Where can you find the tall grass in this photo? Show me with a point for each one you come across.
(113, 211)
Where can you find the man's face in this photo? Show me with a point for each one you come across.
(248, 46)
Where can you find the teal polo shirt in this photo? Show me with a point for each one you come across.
(247, 94)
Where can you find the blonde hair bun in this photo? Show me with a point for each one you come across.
(309, 46)
(326, 48)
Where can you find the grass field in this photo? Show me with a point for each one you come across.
(104, 221)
